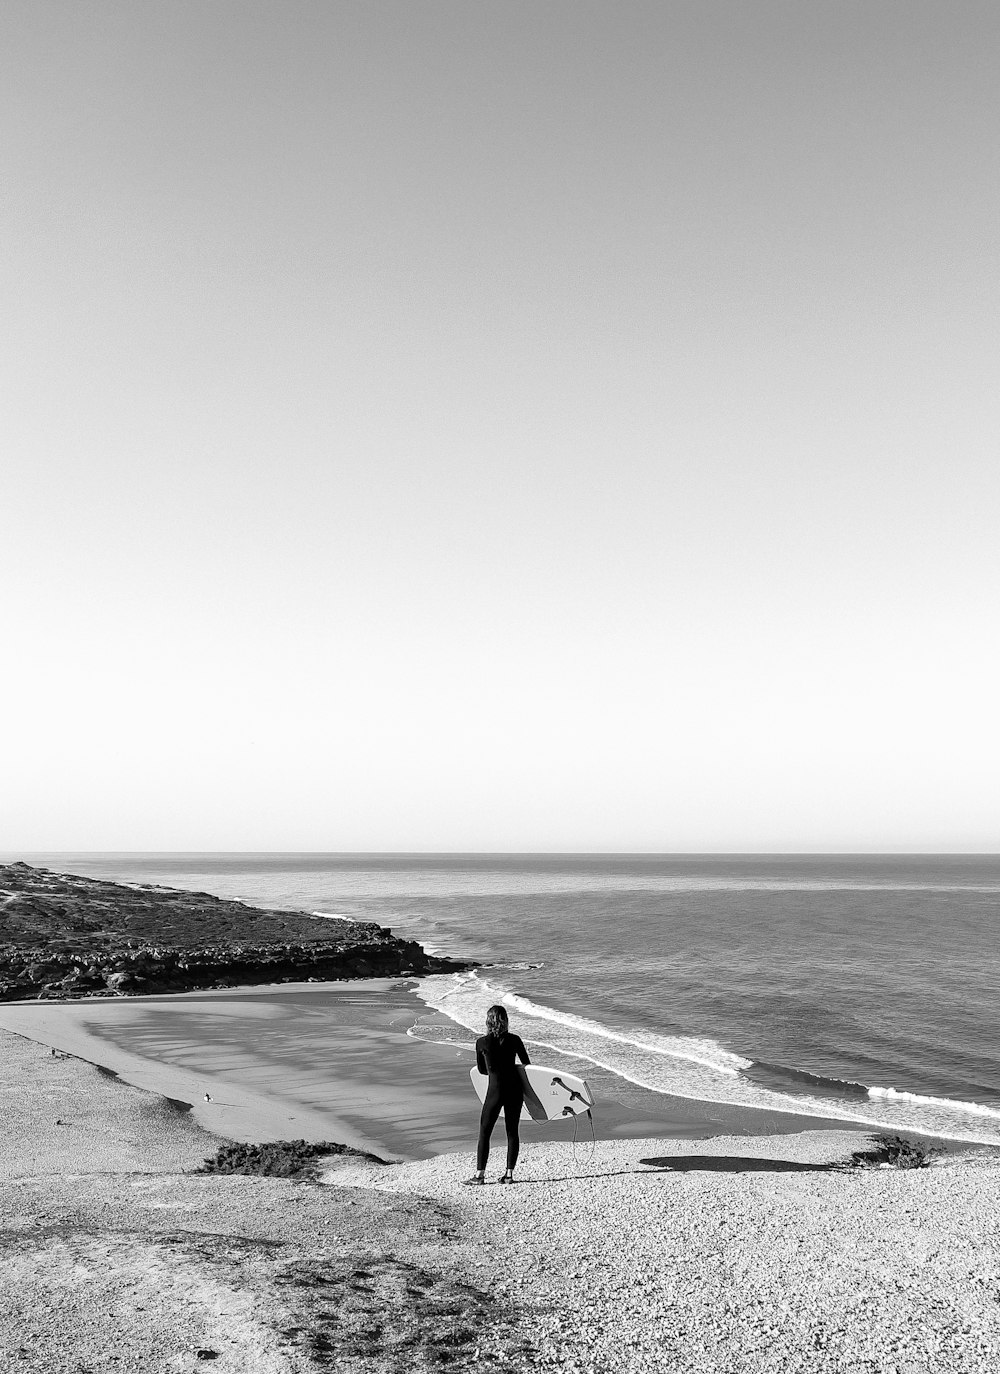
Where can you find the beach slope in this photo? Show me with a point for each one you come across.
(744, 1253)
(114, 1256)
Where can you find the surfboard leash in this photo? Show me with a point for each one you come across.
(592, 1142)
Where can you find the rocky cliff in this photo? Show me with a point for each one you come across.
(66, 936)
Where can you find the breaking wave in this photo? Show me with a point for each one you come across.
(701, 1068)
(933, 1103)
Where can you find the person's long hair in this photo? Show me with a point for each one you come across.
(496, 1022)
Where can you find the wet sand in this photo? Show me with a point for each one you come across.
(333, 1061)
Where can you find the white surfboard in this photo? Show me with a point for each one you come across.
(549, 1094)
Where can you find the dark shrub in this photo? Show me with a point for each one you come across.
(895, 1150)
(278, 1158)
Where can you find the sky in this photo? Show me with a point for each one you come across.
(499, 426)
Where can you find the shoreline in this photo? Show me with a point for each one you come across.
(333, 1061)
(40, 905)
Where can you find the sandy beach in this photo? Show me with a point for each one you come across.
(333, 1061)
(730, 1252)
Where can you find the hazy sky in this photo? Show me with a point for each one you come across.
(500, 426)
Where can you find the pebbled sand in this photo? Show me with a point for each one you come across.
(737, 1254)
(732, 1254)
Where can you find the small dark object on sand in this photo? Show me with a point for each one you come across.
(206, 1354)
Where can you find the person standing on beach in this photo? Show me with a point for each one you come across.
(497, 1053)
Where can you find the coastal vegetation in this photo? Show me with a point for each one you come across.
(895, 1151)
(63, 936)
(298, 1159)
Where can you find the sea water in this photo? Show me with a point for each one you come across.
(860, 988)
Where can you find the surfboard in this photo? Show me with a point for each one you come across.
(549, 1094)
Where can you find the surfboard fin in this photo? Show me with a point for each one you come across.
(558, 1083)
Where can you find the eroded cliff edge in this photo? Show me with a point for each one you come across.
(67, 936)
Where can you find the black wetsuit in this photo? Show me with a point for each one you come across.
(498, 1058)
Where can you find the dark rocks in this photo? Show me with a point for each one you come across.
(81, 980)
(125, 982)
(16, 991)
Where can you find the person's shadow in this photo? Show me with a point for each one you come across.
(685, 1164)
(732, 1164)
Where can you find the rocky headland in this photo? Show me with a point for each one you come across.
(66, 936)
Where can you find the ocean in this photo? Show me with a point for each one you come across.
(858, 988)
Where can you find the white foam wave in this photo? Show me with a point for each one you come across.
(700, 1069)
(704, 1052)
(439, 1035)
(332, 916)
(936, 1103)
(465, 997)
(812, 885)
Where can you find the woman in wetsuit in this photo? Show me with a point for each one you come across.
(497, 1053)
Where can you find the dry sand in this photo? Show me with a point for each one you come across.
(745, 1253)
(738, 1254)
(217, 1051)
